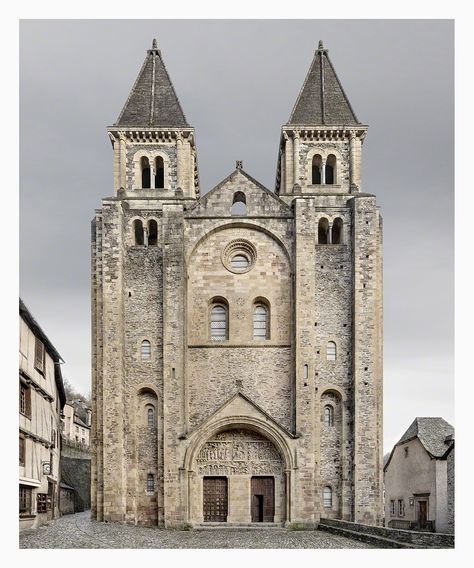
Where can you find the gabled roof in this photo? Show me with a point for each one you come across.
(152, 100)
(434, 433)
(322, 100)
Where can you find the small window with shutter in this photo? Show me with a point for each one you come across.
(39, 355)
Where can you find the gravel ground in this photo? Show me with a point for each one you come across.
(79, 531)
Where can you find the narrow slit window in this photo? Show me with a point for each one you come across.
(219, 323)
(145, 171)
(331, 351)
(305, 372)
(146, 350)
(260, 323)
(150, 483)
(138, 232)
(151, 416)
(159, 173)
(327, 496)
(328, 415)
(152, 233)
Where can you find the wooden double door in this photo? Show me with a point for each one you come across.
(216, 499)
(263, 499)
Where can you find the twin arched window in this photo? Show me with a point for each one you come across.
(333, 235)
(327, 496)
(146, 173)
(145, 235)
(219, 320)
(323, 172)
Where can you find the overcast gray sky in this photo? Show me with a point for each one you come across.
(237, 81)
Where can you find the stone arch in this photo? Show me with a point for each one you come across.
(237, 224)
(240, 450)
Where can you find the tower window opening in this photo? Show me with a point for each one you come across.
(146, 174)
(138, 232)
(323, 231)
(152, 232)
(159, 173)
(151, 416)
(337, 232)
(330, 170)
(239, 204)
(305, 372)
(150, 483)
(316, 170)
(239, 262)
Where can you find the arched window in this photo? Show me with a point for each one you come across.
(159, 173)
(152, 232)
(138, 231)
(323, 231)
(330, 171)
(150, 416)
(331, 351)
(337, 231)
(145, 170)
(239, 204)
(219, 322)
(327, 496)
(328, 415)
(150, 483)
(316, 169)
(145, 350)
(261, 328)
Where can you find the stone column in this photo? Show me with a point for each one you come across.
(174, 329)
(305, 509)
(323, 171)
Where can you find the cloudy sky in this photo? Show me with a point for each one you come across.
(237, 81)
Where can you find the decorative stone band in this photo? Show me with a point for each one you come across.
(151, 135)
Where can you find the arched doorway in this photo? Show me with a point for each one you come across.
(239, 477)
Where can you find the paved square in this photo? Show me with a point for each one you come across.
(79, 531)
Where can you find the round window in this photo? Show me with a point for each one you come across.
(239, 262)
(239, 256)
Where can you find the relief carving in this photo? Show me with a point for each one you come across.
(238, 452)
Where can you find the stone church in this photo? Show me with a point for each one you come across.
(237, 334)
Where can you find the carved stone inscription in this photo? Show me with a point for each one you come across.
(238, 452)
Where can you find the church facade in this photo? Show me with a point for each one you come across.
(237, 335)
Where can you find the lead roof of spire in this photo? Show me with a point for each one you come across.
(152, 101)
(322, 100)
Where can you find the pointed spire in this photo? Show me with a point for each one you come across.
(152, 101)
(322, 100)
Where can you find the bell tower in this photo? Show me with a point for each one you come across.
(154, 146)
(320, 145)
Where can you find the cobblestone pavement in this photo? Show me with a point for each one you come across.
(78, 531)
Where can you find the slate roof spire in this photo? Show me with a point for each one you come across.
(152, 101)
(322, 100)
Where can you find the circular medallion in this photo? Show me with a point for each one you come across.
(239, 256)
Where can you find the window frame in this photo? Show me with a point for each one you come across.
(150, 409)
(150, 483)
(266, 308)
(331, 351)
(212, 336)
(25, 401)
(22, 450)
(329, 412)
(145, 357)
(39, 356)
(25, 501)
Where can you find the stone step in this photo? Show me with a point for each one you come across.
(375, 540)
(246, 526)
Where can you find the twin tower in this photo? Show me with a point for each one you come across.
(237, 335)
